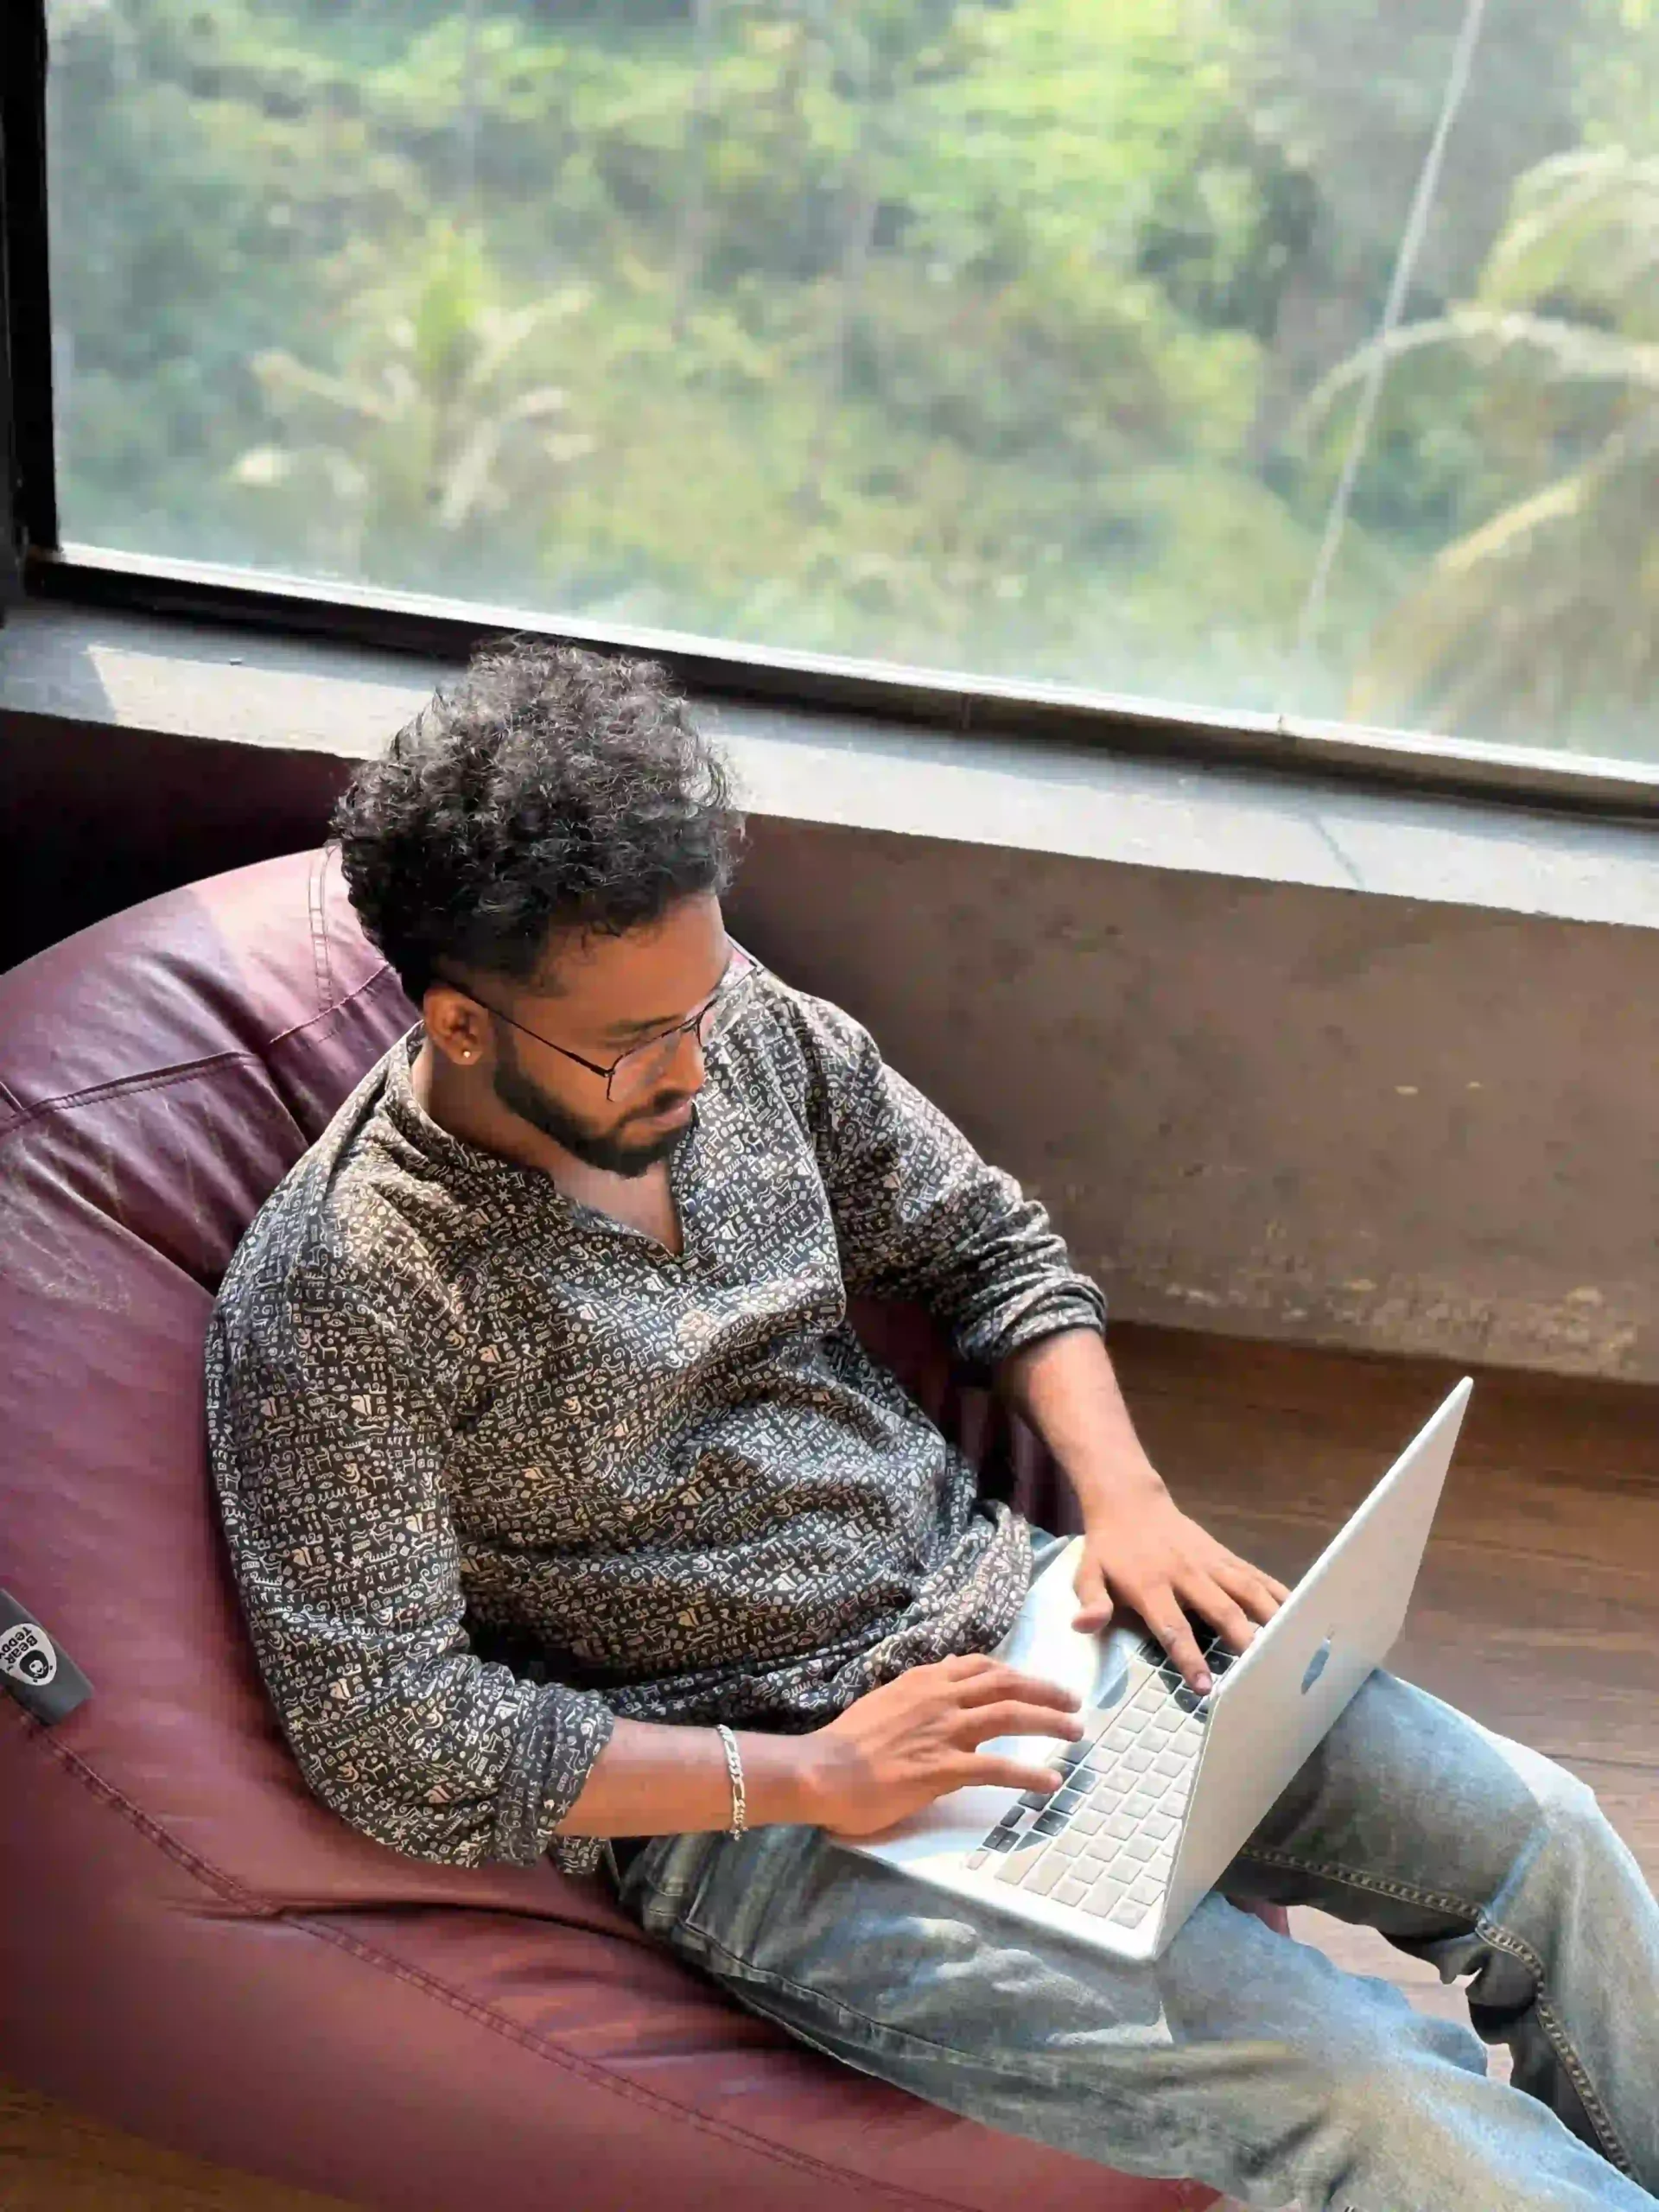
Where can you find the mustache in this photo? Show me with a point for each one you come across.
(664, 1103)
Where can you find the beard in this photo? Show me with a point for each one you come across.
(609, 1151)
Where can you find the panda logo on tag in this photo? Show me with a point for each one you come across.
(27, 1655)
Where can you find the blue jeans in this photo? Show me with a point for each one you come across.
(1239, 2058)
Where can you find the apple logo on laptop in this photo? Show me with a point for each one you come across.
(1316, 1666)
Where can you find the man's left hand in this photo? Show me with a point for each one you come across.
(1156, 1561)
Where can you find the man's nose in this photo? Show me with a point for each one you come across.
(688, 1068)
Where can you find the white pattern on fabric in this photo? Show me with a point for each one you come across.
(495, 1468)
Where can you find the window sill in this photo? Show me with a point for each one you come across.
(133, 672)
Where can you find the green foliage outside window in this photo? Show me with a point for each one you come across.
(1015, 337)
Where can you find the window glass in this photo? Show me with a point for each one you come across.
(1272, 355)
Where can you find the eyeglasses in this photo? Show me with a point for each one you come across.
(642, 1066)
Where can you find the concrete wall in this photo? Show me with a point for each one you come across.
(1265, 1107)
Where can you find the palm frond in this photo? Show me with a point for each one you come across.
(1584, 225)
(1559, 351)
(286, 380)
(1505, 627)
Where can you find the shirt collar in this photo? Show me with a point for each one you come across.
(484, 1173)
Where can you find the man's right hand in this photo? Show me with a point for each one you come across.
(900, 1746)
(885, 1758)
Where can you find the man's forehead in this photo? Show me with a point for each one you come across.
(622, 977)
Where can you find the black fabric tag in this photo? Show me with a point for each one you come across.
(41, 1675)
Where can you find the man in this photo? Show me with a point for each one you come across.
(566, 1507)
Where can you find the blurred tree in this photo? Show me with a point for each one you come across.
(1543, 623)
(411, 462)
(1347, 95)
(966, 332)
(205, 164)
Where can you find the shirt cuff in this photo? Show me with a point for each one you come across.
(1076, 1304)
(564, 1733)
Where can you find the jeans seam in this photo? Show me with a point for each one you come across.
(1500, 1939)
(1052, 2074)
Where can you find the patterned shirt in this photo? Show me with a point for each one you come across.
(495, 1468)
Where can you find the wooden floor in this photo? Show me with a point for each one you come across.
(1538, 1610)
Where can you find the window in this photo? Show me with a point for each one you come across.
(1291, 357)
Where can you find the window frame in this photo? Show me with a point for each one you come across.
(37, 565)
(27, 495)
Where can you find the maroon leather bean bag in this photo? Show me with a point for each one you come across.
(193, 1948)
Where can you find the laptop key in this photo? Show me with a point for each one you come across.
(1128, 1914)
(1044, 1875)
(1170, 1762)
(1120, 1825)
(1139, 1848)
(1158, 1826)
(1104, 1896)
(1046, 1824)
(1146, 1892)
(1067, 1845)
(1016, 1865)
(1069, 1891)
(1086, 1821)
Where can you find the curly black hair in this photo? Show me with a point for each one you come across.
(551, 790)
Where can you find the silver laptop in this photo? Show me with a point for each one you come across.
(1164, 1788)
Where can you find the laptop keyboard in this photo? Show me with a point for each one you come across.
(1105, 1841)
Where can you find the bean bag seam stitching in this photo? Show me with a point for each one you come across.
(187, 1070)
(299, 1028)
(322, 971)
(224, 1885)
(586, 2070)
(122, 1086)
(211, 1876)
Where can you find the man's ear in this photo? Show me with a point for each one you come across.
(458, 1026)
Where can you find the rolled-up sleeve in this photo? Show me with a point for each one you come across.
(328, 1451)
(918, 1214)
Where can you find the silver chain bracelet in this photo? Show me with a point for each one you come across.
(734, 1768)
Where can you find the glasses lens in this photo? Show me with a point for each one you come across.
(638, 1071)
